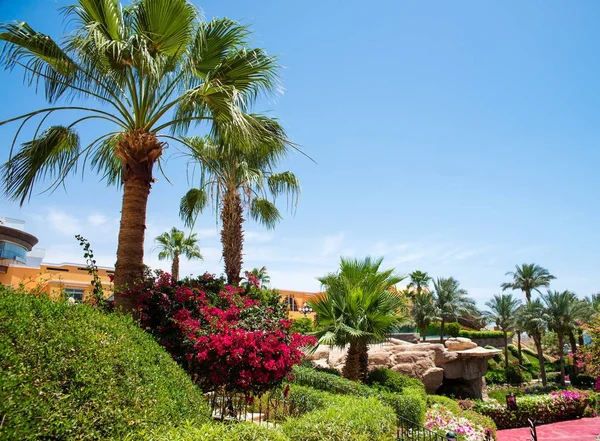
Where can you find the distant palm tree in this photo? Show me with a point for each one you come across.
(451, 300)
(174, 244)
(238, 177)
(419, 281)
(503, 308)
(528, 278)
(583, 312)
(150, 70)
(424, 311)
(357, 308)
(532, 319)
(261, 275)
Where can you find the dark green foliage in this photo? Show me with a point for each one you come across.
(582, 381)
(495, 377)
(213, 432)
(74, 372)
(452, 329)
(344, 418)
(515, 374)
(393, 381)
(324, 381)
(483, 334)
(302, 326)
(553, 377)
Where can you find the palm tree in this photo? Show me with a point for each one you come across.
(503, 308)
(561, 312)
(532, 319)
(151, 70)
(357, 308)
(528, 278)
(261, 275)
(238, 177)
(173, 244)
(424, 311)
(419, 281)
(451, 300)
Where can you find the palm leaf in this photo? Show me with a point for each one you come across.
(264, 212)
(192, 204)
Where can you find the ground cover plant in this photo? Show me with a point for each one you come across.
(74, 372)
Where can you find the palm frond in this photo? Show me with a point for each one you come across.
(264, 212)
(192, 204)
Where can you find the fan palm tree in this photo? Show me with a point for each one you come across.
(503, 308)
(238, 177)
(419, 281)
(451, 300)
(357, 308)
(151, 70)
(532, 319)
(528, 278)
(424, 311)
(173, 244)
(561, 311)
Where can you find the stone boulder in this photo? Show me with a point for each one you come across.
(460, 344)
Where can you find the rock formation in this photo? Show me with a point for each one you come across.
(457, 368)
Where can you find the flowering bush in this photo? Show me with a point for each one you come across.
(466, 425)
(219, 333)
(556, 406)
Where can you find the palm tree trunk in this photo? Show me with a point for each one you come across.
(363, 361)
(573, 343)
(561, 357)
(137, 151)
(580, 337)
(232, 236)
(505, 348)
(442, 331)
(519, 347)
(175, 267)
(352, 368)
(424, 332)
(540, 353)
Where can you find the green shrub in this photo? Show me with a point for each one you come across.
(216, 431)
(410, 404)
(553, 377)
(447, 402)
(582, 381)
(483, 334)
(305, 376)
(527, 350)
(495, 377)
(452, 329)
(343, 419)
(515, 374)
(304, 399)
(302, 325)
(393, 381)
(74, 372)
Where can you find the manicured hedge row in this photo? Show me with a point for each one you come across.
(211, 432)
(343, 419)
(557, 406)
(75, 372)
(483, 334)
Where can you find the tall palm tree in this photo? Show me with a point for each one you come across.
(424, 311)
(357, 308)
(561, 315)
(151, 70)
(528, 277)
(238, 177)
(532, 319)
(419, 281)
(173, 244)
(503, 308)
(451, 301)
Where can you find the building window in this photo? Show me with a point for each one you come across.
(11, 251)
(76, 294)
(292, 305)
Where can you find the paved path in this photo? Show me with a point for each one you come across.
(586, 429)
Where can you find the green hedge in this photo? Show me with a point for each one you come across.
(409, 404)
(393, 381)
(304, 399)
(344, 418)
(452, 329)
(216, 431)
(74, 372)
(324, 381)
(483, 334)
(302, 325)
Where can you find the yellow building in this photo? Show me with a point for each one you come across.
(297, 303)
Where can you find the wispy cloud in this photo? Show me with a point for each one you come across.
(333, 244)
(95, 220)
(63, 223)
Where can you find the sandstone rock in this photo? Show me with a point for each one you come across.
(321, 352)
(459, 344)
(432, 379)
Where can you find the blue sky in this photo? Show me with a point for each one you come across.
(459, 138)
